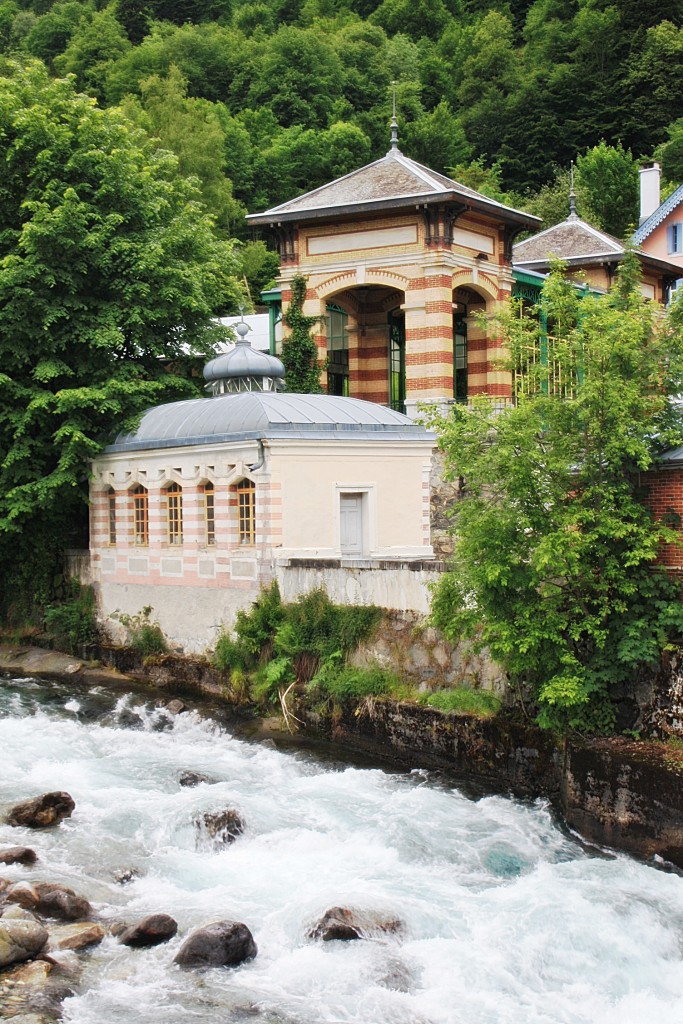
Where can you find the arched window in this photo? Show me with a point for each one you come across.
(140, 515)
(174, 513)
(246, 512)
(209, 513)
(111, 516)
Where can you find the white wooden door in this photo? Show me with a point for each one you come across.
(351, 523)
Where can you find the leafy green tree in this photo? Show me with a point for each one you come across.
(554, 559)
(211, 57)
(427, 18)
(610, 175)
(98, 40)
(8, 12)
(299, 78)
(260, 268)
(437, 139)
(491, 74)
(486, 180)
(653, 86)
(135, 17)
(50, 34)
(190, 128)
(109, 271)
(551, 202)
(299, 350)
(671, 153)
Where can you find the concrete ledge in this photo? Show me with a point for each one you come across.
(412, 564)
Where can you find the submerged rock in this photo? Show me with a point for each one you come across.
(189, 778)
(221, 944)
(20, 940)
(18, 855)
(122, 876)
(176, 707)
(33, 993)
(222, 826)
(345, 924)
(42, 811)
(51, 900)
(150, 931)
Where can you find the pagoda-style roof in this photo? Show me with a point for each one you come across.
(572, 239)
(394, 181)
(578, 244)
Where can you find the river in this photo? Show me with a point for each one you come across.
(507, 918)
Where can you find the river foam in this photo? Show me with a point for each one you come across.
(507, 919)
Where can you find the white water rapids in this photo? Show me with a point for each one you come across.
(507, 919)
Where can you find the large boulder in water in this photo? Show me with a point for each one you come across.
(222, 944)
(50, 899)
(150, 931)
(42, 811)
(222, 827)
(346, 924)
(20, 939)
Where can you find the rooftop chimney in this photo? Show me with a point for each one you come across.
(649, 190)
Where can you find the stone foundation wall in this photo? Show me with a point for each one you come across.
(444, 493)
(420, 653)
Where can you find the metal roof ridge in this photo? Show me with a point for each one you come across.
(421, 171)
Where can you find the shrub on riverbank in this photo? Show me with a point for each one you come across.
(278, 644)
(73, 622)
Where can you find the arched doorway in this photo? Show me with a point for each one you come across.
(365, 344)
(397, 360)
(337, 350)
(470, 360)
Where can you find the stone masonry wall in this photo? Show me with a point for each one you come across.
(420, 654)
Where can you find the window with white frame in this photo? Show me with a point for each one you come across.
(674, 237)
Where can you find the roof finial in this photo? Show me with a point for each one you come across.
(394, 122)
(572, 194)
(242, 327)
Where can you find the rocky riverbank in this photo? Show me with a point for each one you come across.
(615, 792)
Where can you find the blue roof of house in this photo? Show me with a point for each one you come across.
(660, 214)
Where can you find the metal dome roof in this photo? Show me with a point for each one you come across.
(256, 415)
(243, 361)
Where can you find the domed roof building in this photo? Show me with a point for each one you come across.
(210, 498)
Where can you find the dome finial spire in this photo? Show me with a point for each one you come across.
(242, 327)
(572, 194)
(394, 121)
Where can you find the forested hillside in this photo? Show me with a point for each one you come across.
(268, 98)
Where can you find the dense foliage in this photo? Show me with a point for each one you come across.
(553, 568)
(110, 274)
(299, 350)
(277, 644)
(287, 94)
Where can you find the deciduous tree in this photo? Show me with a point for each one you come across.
(109, 272)
(554, 560)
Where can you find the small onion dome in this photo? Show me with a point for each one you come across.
(243, 368)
